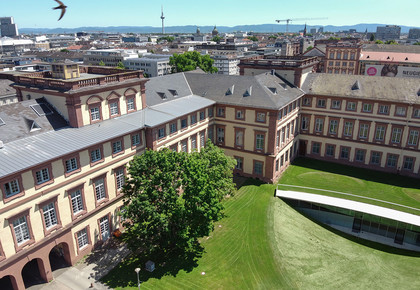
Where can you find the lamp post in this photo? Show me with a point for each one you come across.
(137, 270)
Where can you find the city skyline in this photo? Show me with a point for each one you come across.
(222, 13)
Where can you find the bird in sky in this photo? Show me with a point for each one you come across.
(62, 7)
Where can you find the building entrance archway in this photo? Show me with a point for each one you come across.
(33, 273)
(59, 257)
(6, 283)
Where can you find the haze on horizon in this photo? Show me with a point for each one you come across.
(91, 13)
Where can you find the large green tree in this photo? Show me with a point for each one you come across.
(190, 61)
(171, 199)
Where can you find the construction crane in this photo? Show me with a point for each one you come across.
(298, 19)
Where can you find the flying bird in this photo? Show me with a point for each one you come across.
(62, 7)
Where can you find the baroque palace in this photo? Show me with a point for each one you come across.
(65, 144)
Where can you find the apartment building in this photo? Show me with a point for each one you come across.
(153, 65)
(388, 32)
(342, 58)
(110, 57)
(226, 62)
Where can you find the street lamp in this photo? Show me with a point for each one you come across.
(137, 270)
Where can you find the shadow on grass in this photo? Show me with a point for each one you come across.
(241, 181)
(360, 241)
(361, 173)
(124, 275)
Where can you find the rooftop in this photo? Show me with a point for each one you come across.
(387, 56)
(404, 90)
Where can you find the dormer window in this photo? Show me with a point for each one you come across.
(174, 93)
(230, 91)
(2, 122)
(248, 92)
(356, 86)
(34, 127)
(273, 91)
(162, 96)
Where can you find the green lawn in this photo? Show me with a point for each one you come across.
(362, 182)
(262, 243)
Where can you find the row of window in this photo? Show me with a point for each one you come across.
(344, 63)
(285, 133)
(363, 130)
(49, 210)
(343, 71)
(173, 127)
(367, 107)
(43, 176)
(288, 109)
(114, 109)
(360, 155)
(260, 117)
(344, 55)
(193, 139)
(258, 166)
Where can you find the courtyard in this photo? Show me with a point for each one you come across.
(263, 243)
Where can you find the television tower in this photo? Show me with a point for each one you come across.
(163, 20)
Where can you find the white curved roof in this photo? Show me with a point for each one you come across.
(10, 41)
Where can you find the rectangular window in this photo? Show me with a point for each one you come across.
(95, 155)
(239, 163)
(113, 108)
(416, 113)
(184, 146)
(104, 228)
(172, 128)
(193, 119)
(261, 117)
(119, 178)
(220, 135)
(360, 155)
(396, 135)
(239, 138)
(135, 140)
(161, 133)
(321, 103)
(77, 201)
(335, 104)
(259, 141)
(305, 123)
(363, 131)
(408, 163)
(306, 102)
(338, 55)
(344, 154)
(100, 189)
(50, 217)
(130, 104)
(202, 115)
(380, 133)
(383, 109)
(220, 112)
(194, 142)
(11, 188)
(202, 139)
(258, 167)
(316, 147)
(277, 165)
(333, 127)
(210, 112)
(42, 176)
(240, 114)
(329, 151)
(392, 160)
(367, 107)
(348, 129)
(71, 164)
(117, 147)
(21, 229)
(351, 106)
(94, 114)
(413, 138)
(375, 158)
(184, 123)
(332, 55)
(319, 125)
(279, 115)
(400, 111)
(345, 55)
(278, 138)
(82, 238)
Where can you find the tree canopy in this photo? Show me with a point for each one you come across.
(171, 199)
(190, 61)
(216, 38)
(391, 42)
(252, 38)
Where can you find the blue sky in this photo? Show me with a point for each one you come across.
(38, 13)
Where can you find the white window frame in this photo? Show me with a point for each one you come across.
(95, 115)
(119, 178)
(71, 164)
(117, 147)
(113, 108)
(11, 188)
(42, 176)
(21, 229)
(50, 215)
(100, 191)
(77, 201)
(82, 238)
(95, 155)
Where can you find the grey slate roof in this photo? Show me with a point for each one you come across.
(265, 90)
(19, 118)
(27, 152)
(167, 85)
(391, 48)
(6, 89)
(405, 90)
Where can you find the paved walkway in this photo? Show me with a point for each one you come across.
(87, 273)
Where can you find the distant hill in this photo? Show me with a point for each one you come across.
(206, 29)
